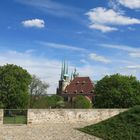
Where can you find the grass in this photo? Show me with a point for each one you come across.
(20, 119)
(125, 126)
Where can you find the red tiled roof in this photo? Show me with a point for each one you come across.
(80, 85)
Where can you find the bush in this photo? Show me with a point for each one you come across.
(53, 101)
(41, 103)
(81, 102)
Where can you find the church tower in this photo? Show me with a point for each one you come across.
(64, 78)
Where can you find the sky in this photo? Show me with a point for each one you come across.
(97, 37)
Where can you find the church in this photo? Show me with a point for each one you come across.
(69, 87)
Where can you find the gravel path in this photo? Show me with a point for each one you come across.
(44, 132)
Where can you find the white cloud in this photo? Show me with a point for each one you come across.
(99, 58)
(115, 5)
(103, 28)
(38, 23)
(132, 52)
(62, 46)
(102, 18)
(54, 8)
(135, 54)
(133, 67)
(132, 4)
(121, 47)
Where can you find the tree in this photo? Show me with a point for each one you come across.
(81, 102)
(117, 91)
(53, 101)
(14, 82)
(56, 101)
(37, 88)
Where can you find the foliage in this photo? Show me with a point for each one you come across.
(81, 102)
(1, 105)
(41, 102)
(14, 82)
(125, 126)
(53, 101)
(117, 91)
(37, 88)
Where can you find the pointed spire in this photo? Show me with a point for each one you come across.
(67, 69)
(62, 70)
(64, 67)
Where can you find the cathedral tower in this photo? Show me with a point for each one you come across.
(64, 79)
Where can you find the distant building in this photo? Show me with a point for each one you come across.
(69, 88)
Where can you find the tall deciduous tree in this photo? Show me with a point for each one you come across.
(14, 82)
(117, 91)
(37, 88)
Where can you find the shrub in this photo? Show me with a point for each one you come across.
(81, 102)
(53, 101)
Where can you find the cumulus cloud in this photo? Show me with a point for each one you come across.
(132, 4)
(95, 57)
(38, 23)
(103, 19)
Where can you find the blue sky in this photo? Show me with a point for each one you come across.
(98, 37)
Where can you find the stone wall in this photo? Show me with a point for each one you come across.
(38, 116)
(1, 116)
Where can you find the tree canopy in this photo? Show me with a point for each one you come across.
(117, 91)
(14, 82)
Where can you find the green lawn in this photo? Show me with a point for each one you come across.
(20, 119)
(125, 126)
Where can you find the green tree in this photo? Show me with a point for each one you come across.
(81, 102)
(14, 82)
(117, 91)
(37, 88)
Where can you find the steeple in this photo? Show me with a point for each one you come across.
(64, 71)
(67, 69)
(64, 67)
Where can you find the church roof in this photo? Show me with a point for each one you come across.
(80, 85)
